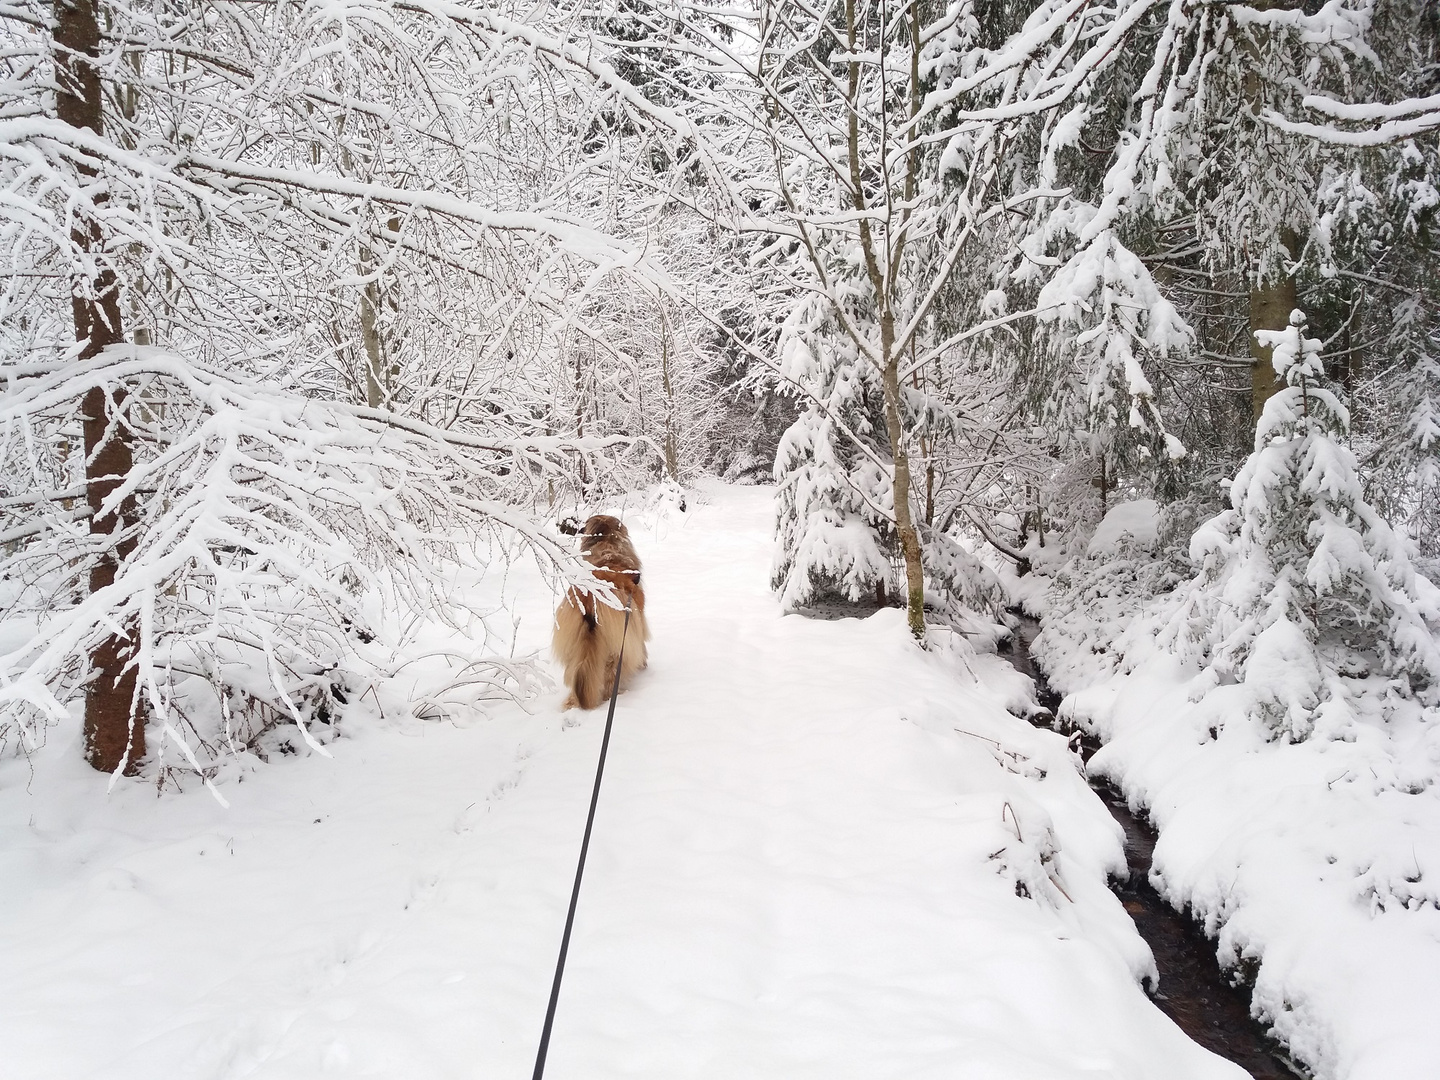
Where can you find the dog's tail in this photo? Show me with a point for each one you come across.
(580, 645)
(592, 679)
(591, 637)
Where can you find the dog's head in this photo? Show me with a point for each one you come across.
(600, 528)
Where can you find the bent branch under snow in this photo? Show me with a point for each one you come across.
(263, 519)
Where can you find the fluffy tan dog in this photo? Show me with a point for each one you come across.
(588, 631)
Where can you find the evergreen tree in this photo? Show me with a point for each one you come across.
(1304, 589)
(834, 531)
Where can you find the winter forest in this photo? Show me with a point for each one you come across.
(887, 326)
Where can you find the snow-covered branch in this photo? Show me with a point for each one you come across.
(266, 528)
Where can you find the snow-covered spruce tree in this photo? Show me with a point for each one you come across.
(1103, 331)
(1390, 336)
(1104, 328)
(1173, 182)
(835, 535)
(1304, 590)
(1211, 199)
(1378, 207)
(1403, 422)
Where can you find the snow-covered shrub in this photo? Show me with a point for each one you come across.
(1401, 443)
(964, 592)
(1099, 592)
(1303, 589)
(1070, 500)
(269, 531)
(834, 527)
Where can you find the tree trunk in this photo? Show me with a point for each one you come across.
(672, 449)
(379, 372)
(881, 281)
(1270, 305)
(900, 471)
(580, 421)
(114, 736)
(375, 381)
(1272, 300)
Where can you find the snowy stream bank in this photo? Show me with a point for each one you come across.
(1192, 991)
(1312, 862)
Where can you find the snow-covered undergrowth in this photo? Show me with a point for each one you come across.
(1085, 599)
(820, 853)
(1314, 862)
(269, 540)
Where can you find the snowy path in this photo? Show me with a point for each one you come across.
(801, 869)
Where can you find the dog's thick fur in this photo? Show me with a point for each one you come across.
(588, 631)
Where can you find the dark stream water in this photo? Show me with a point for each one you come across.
(1193, 992)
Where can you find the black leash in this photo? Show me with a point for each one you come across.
(580, 869)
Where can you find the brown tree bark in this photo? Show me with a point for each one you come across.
(114, 735)
(1271, 300)
(900, 471)
(375, 381)
(1270, 305)
(379, 373)
(672, 448)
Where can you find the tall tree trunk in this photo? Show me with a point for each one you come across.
(1271, 300)
(881, 280)
(580, 421)
(672, 449)
(379, 372)
(1270, 305)
(114, 735)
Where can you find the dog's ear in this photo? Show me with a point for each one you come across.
(570, 526)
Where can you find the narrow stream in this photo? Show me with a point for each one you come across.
(1193, 992)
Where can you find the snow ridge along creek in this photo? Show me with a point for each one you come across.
(819, 853)
(1193, 990)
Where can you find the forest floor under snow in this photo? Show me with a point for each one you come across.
(819, 852)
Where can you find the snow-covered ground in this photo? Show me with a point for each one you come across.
(1315, 864)
(819, 853)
